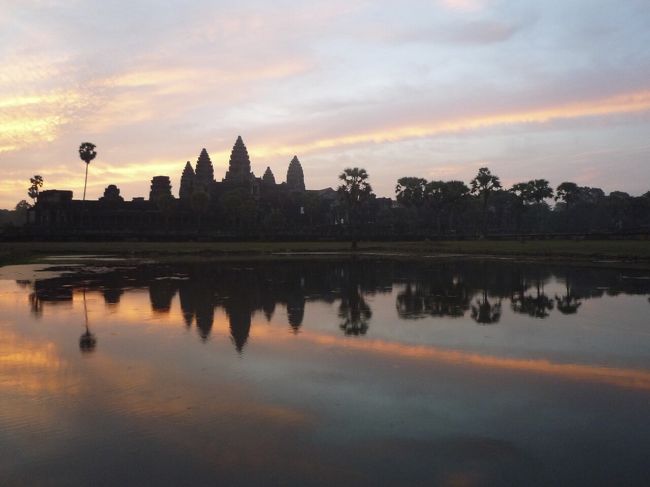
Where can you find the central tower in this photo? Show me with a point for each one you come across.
(239, 167)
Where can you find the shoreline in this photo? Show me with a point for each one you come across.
(617, 253)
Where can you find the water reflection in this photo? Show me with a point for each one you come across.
(446, 289)
(87, 341)
(353, 310)
(434, 391)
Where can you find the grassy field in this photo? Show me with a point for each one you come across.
(627, 250)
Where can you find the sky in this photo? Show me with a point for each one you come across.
(430, 88)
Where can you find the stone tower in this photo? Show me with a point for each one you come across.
(239, 167)
(111, 195)
(161, 187)
(268, 179)
(187, 182)
(204, 172)
(295, 176)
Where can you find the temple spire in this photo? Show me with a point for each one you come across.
(187, 182)
(295, 176)
(239, 167)
(161, 188)
(204, 172)
(268, 178)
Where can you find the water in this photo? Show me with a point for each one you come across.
(326, 372)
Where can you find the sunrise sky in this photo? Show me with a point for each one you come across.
(435, 88)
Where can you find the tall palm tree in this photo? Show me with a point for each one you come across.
(483, 184)
(87, 153)
(354, 191)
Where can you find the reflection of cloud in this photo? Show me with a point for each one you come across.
(31, 368)
(620, 377)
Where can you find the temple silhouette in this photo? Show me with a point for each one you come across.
(240, 204)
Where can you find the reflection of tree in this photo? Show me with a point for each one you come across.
(447, 296)
(87, 341)
(35, 305)
(537, 306)
(410, 302)
(484, 312)
(353, 310)
(569, 303)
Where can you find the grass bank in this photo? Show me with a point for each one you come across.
(623, 250)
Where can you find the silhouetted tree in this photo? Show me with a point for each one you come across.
(483, 184)
(568, 192)
(410, 191)
(454, 194)
(19, 216)
(87, 153)
(434, 197)
(36, 183)
(22, 205)
(355, 192)
(539, 190)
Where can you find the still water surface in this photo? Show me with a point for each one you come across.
(331, 372)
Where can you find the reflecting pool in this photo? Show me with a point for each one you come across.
(337, 371)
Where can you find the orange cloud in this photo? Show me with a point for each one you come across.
(27, 119)
(619, 104)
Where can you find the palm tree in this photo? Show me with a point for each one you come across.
(354, 191)
(36, 183)
(483, 184)
(87, 153)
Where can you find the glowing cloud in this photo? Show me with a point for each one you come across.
(619, 104)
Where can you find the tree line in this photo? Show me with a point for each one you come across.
(485, 207)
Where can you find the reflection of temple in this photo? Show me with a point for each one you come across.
(271, 288)
(241, 202)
